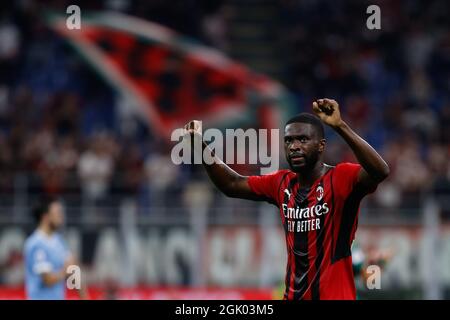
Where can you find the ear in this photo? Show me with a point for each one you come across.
(322, 144)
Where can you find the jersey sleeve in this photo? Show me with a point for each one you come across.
(267, 186)
(347, 175)
(347, 178)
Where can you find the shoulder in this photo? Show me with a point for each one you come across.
(282, 173)
(286, 175)
(278, 176)
(32, 240)
(268, 184)
(345, 177)
(60, 238)
(347, 167)
(347, 170)
(33, 243)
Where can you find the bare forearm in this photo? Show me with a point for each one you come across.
(52, 278)
(369, 159)
(223, 177)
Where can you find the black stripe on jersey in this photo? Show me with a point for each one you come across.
(287, 279)
(301, 250)
(349, 212)
(320, 235)
(286, 200)
(281, 183)
(332, 214)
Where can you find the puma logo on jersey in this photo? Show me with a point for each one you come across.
(288, 194)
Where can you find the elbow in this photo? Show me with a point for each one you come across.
(229, 192)
(226, 192)
(229, 189)
(379, 174)
(384, 173)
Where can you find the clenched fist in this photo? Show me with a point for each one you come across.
(328, 111)
(194, 127)
(193, 130)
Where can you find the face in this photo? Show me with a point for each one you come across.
(303, 146)
(55, 215)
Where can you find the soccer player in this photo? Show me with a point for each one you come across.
(47, 256)
(318, 203)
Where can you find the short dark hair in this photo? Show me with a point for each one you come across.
(42, 205)
(311, 119)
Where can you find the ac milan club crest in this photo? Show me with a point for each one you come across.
(319, 192)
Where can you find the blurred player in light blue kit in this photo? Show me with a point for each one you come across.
(47, 255)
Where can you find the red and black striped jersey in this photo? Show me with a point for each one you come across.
(320, 222)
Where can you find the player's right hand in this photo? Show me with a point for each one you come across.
(193, 130)
(194, 127)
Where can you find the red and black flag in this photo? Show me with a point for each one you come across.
(168, 79)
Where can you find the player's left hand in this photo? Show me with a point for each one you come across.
(328, 111)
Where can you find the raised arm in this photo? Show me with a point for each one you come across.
(374, 168)
(224, 178)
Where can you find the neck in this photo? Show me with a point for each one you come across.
(46, 229)
(307, 177)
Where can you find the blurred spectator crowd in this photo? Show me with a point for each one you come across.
(60, 132)
(393, 84)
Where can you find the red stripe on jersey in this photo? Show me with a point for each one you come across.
(322, 235)
(312, 249)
